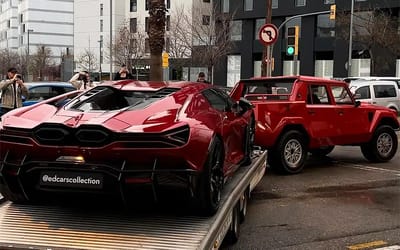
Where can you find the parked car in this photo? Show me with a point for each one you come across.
(379, 92)
(39, 91)
(118, 135)
(299, 114)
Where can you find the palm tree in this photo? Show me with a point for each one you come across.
(156, 34)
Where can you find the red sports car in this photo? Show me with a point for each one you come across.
(126, 134)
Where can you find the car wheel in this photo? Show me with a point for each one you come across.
(232, 235)
(383, 145)
(12, 196)
(249, 144)
(322, 151)
(212, 179)
(289, 156)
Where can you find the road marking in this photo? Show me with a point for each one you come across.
(367, 245)
(394, 247)
(369, 168)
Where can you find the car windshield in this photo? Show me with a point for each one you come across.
(106, 98)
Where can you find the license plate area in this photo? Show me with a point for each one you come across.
(66, 179)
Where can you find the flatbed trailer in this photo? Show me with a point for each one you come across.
(55, 227)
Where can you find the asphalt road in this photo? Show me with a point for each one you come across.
(339, 202)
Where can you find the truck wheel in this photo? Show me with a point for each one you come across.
(212, 179)
(232, 235)
(243, 205)
(12, 196)
(383, 145)
(289, 155)
(322, 151)
(249, 144)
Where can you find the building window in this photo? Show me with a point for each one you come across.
(300, 3)
(101, 25)
(146, 45)
(8, 23)
(274, 4)
(225, 6)
(206, 1)
(133, 25)
(248, 5)
(259, 23)
(21, 18)
(329, 1)
(147, 3)
(236, 30)
(206, 20)
(168, 23)
(167, 44)
(146, 24)
(133, 6)
(361, 0)
(325, 26)
(168, 4)
(233, 70)
(101, 9)
(23, 28)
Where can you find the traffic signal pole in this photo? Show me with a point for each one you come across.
(266, 61)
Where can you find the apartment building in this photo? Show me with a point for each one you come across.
(321, 50)
(27, 24)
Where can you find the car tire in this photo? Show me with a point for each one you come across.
(322, 151)
(233, 233)
(12, 196)
(383, 145)
(249, 143)
(212, 179)
(289, 155)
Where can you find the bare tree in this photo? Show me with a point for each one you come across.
(8, 59)
(87, 61)
(129, 47)
(41, 61)
(156, 33)
(377, 32)
(211, 35)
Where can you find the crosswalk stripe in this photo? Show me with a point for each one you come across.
(394, 247)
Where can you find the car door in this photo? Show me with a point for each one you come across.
(351, 121)
(319, 116)
(232, 128)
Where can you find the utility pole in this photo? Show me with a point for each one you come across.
(350, 39)
(111, 44)
(266, 61)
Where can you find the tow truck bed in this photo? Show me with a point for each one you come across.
(50, 227)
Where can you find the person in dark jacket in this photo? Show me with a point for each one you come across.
(123, 74)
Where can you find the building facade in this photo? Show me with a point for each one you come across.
(321, 51)
(26, 25)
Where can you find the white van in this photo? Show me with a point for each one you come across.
(380, 92)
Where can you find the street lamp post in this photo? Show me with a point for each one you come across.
(350, 39)
(100, 57)
(27, 51)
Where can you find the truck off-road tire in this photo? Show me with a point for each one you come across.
(289, 154)
(383, 145)
(12, 196)
(322, 151)
(249, 144)
(212, 179)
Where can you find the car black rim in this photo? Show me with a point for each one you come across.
(216, 178)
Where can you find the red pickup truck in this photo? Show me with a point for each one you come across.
(297, 115)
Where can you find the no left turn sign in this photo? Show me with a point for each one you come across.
(268, 34)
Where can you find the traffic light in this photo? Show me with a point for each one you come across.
(292, 46)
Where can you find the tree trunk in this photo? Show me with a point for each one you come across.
(156, 34)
